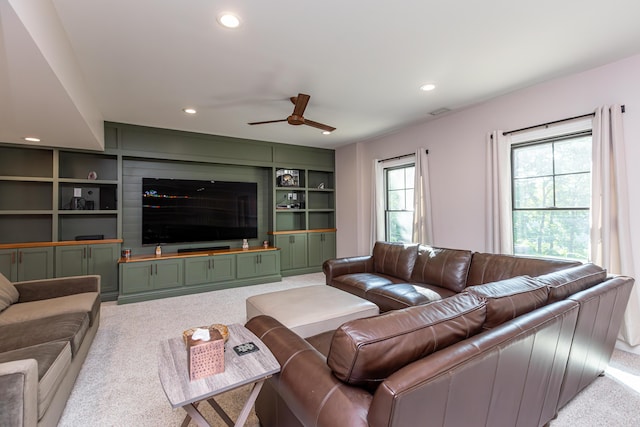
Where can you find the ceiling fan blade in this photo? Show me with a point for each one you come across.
(301, 102)
(268, 121)
(319, 125)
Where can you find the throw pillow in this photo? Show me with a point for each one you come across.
(366, 351)
(509, 298)
(8, 293)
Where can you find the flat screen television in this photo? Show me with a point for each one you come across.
(182, 211)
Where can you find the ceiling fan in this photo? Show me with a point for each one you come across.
(296, 118)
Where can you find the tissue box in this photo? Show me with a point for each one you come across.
(205, 357)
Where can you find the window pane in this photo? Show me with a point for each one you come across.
(562, 234)
(409, 174)
(573, 155)
(573, 191)
(396, 200)
(399, 226)
(395, 179)
(533, 193)
(536, 160)
(409, 199)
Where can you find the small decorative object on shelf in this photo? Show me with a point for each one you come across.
(126, 253)
(245, 244)
(265, 244)
(321, 186)
(288, 178)
(158, 250)
(92, 175)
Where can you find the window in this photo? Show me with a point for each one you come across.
(551, 195)
(398, 211)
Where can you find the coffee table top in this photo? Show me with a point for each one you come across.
(173, 368)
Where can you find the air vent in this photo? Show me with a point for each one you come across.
(439, 111)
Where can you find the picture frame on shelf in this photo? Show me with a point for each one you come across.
(287, 178)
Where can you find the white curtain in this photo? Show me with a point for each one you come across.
(498, 234)
(422, 220)
(610, 230)
(377, 202)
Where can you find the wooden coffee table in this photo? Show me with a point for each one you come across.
(252, 368)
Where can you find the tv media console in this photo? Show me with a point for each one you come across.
(145, 277)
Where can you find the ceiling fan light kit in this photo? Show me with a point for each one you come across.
(296, 118)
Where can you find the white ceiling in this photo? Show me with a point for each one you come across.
(64, 63)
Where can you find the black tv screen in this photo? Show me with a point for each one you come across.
(181, 211)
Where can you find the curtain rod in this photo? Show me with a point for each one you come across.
(400, 157)
(554, 122)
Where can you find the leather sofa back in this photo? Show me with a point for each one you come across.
(366, 351)
(487, 268)
(446, 268)
(394, 259)
(506, 376)
(567, 282)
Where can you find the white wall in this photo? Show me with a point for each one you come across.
(456, 145)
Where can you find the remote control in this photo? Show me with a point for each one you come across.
(245, 348)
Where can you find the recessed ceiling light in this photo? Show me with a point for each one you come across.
(189, 110)
(229, 20)
(326, 132)
(427, 87)
(31, 139)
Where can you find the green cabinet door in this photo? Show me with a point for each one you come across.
(209, 269)
(168, 274)
(35, 263)
(103, 260)
(197, 270)
(293, 248)
(223, 268)
(9, 264)
(322, 246)
(136, 277)
(258, 264)
(78, 260)
(71, 260)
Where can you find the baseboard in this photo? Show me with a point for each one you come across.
(620, 345)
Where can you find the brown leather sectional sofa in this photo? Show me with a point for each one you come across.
(465, 339)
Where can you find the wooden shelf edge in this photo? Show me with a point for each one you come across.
(314, 230)
(171, 255)
(62, 243)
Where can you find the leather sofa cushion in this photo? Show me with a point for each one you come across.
(509, 298)
(396, 296)
(366, 351)
(446, 268)
(70, 327)
(395, 259)
(487, 268)
(360, 283)
(8, 293)
(575, 279)
(54, 359)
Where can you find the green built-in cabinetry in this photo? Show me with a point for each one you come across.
(46, 260)
(95, 258)
(304, 218)
(26, 263)
(145, 277)
(49, 195)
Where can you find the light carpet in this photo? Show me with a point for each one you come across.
(118, 384)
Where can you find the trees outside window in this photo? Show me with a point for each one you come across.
(551, 185)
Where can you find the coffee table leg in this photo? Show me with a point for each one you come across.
(195, 415)
(220, 412)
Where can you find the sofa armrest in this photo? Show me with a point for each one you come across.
(19, 393)
(340, 266)
(34, 290)
(312, 393)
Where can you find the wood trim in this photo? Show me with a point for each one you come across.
(63, 243)
(315, 230)
(152, 257)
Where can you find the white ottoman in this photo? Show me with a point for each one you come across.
(311, 310)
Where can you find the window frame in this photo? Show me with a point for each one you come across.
(553, 140)
(408, 163)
